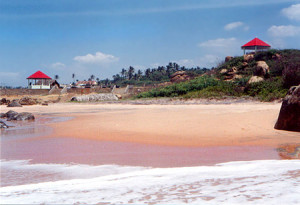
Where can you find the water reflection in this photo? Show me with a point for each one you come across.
(289, 151)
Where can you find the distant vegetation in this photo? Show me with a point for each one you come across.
(150, 76)
(284, 71)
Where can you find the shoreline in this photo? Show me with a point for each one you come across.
(155, 135)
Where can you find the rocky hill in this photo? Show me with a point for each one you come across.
(266, 76)
(262, 66)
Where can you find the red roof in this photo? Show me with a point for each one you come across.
(256, 42)
(39, 75)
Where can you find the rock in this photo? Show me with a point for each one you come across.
(237, 77)
(248, 57)
(262, 68)
(233, 69)
(14, 103)
(255, 79)
(45, 103)
(3, 101)
(11, 114)
(95, 97)
(119, 96)
(3, 125)
(228, 58)
(2, 115)
(244, 65)
(277, 56)
(179, 76)
(223, 71)
(27, 101)
(22, 116)
(289, 115)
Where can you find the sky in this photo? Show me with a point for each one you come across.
(100, 37)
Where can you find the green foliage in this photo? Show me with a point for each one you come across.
(179, 89)
(268, 90)
(220, 90)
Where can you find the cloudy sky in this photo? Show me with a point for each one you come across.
(101, 37)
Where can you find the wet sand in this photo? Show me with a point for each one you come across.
(152, 135)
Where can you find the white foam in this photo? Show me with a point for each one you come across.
(249, 182)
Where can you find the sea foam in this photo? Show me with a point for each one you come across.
(248, 182)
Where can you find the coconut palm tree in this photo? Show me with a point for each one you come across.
(92, 77)
(130, 72)
(73, 76)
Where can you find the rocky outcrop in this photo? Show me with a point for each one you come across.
(22, 116)
(248, 57)
(3, 125)
(4, 101)
(14, 103)
(255, 79)
(289, 115)
(228, 58)
(95, 97)
(262, 68)
(27, 101)
(12, 115)
(179, 76)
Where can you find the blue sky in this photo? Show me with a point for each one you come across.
(101, 37)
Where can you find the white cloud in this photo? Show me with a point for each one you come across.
(186, 62)
(284, 31)
(220, 42)
(233, 25)
(98, 58)
(292, 12)
(57, 65)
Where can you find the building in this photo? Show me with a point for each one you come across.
(85, 83)
(39, 80)
(256, 45)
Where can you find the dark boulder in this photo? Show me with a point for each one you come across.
(3, 125)
(3, 101)
(27, 101)
(2, 115)
(14, 103)
(11, 114)
(289, 116)
(22, 116)
(228, 58)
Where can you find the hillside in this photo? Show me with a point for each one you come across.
(265, 75)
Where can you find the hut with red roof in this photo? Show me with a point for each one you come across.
(256, 44)
(39, 80)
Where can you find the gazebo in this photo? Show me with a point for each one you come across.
(256, 44)
(39, 80)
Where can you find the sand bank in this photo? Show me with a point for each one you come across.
(176, 125)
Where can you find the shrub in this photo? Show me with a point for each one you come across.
(268, 90)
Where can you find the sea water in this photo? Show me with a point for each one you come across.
(42, 170)
(240, 182)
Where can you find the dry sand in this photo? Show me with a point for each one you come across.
(235, 124)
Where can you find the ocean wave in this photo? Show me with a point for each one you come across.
(249, 182)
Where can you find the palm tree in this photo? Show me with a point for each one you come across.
(73, 76)
(123, 72)
(130, 72)
(92, 77)
(56, 77)
(139, 74)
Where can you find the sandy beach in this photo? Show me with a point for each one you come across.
(94, 153)
(234, 124)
